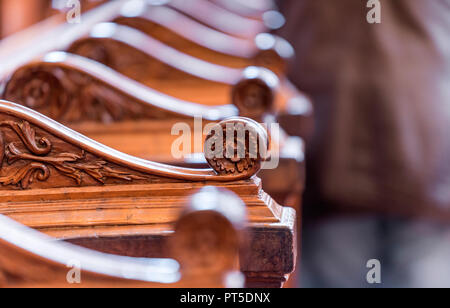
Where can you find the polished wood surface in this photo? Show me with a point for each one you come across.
(179, 31)
(66, 185)
(31, 259)
(125, 199)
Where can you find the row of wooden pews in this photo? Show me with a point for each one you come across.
(208, 239)
(87, 143)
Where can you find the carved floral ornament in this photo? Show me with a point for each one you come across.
(33, 159)
(68, 96)
(237, 146)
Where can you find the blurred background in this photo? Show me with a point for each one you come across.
(378, 166)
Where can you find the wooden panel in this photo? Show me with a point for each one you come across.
(206, 244)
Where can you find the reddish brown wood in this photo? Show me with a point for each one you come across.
(128, 51)
(69, 89)
(124, 208)
(218, 18)
(189, 36)
(207, 252)
(70, 187)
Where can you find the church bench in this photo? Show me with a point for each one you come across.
(120, 113)
(29, 258)
(66, 185)
(159, 66)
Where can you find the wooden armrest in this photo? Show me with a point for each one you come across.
(207, 243)
(78, 158)
(130, 51)
(189, 36)
(69, 88)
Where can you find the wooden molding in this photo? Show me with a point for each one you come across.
(69, 88)
(116, 41)
(41, 153)
(257, 86)
(31, 259)
(71, 187)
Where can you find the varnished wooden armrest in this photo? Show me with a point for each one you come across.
(189, 36)
(68, 186)
(138, 56)
(70, 88)
(31, 259)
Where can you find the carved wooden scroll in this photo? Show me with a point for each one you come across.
(37, 152)
(255, 88)
(207, 242)
(68, 186)
(70, 88)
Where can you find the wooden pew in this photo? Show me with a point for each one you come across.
(20, 49)
(159, 66)
(70, 187)
(208, 239)
(119, 109)
(120, 113)
(172, 28)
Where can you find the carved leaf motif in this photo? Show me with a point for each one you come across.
(25, 175)
(71, 96)
(38, 161)
(28, 137)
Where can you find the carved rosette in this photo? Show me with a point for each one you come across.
(254, 95)
(237, 146)
(69, 96)
(27, 158)
(38, 89)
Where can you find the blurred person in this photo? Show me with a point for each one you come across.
(378, 182)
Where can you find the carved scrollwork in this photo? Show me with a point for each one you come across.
(36, 161)
(28, 137)
(68, 96)
(236, 146)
